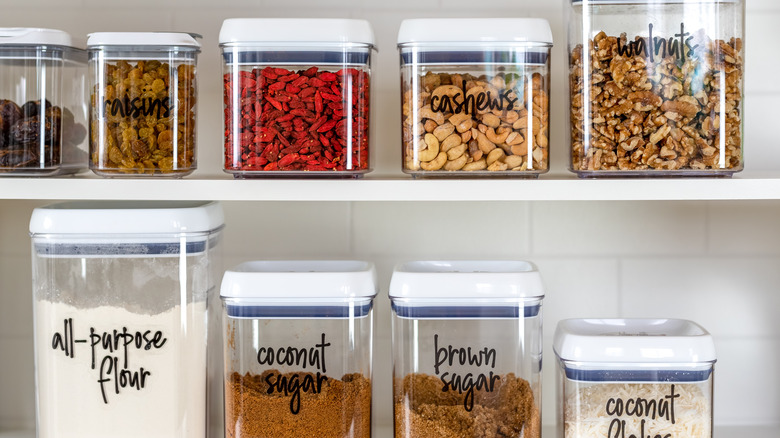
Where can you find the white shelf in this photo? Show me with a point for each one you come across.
(564, 187)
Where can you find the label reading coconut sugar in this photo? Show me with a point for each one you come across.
(111, 353)
(480, 359)
(292, 384)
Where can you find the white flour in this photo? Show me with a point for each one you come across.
(71, 397)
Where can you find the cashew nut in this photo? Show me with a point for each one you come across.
(443, 131)
(491, 120)
(497, 166)
(450, 142)
(495, 155)
(485, 145)
(436, 163)
(433, 148)
(476, 165)
(427, 113)
(457, 163)
(457, 151)
(513, 161)
(496, 138)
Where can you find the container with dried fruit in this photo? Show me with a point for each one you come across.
(656, 87)
(297, 97)
(634, 377)
(467, 349)
(43, 128)
(298, 337)
(143, 103)
(475, 96)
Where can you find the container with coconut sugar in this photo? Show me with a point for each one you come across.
(120, 292)
(634, 378)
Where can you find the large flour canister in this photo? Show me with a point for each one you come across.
(120, 293)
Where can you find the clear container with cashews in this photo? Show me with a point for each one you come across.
(475, 96)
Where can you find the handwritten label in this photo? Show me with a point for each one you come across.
(655, 46)
(660, 408)
(137, 107)
(474, 102)
(110, 354)
(291, 385)
(477, 358)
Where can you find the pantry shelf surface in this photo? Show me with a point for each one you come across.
(554, 187)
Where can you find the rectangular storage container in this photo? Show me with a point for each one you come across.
(298, 348)
(467, 349)
(475, 96)
(144, 94)
(634, 377)
(43, 115)
(656, 87)
(297, 97)
(120, 292)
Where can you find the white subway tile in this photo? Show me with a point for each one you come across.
(728, 296)
(17, 390)
(760, 66)
(16, 316)
(276, 230)
(441, 230)
(618, 228)
(744, 228)
(81, 21)
(746, 381)
(15, 221)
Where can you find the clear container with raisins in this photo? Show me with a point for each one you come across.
(43, 115)
(143, 103)
(467, 348)
(297, 97)
(656, 87)
(475, 97)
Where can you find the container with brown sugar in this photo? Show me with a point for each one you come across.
(634, 377)
(143, 103)
(297, 97)
(298, 339)
(467, 349)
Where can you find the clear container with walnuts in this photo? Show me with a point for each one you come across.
(656, 87)
(143, 103)
(475, 96)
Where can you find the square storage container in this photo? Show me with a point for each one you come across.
(656, 87)
(467, 349)
(634, 377)
(120, 293)
(298, 348)
(43, 115)
(144, 94)
(297, 97)
(475, 96)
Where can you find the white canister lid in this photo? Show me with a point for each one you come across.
(466, 281)
(93, 219)
(475, 30)
(25, 36)
(143, 39)
(632, 341)
(296, 30)
(300, 280)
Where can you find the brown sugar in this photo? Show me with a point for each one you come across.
(341, 408)
(423, 410)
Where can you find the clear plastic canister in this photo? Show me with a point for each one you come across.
(298, 348)
(143, 103)
(656, 87)
(467, 349)
(475, 96)
(120, 294)
(297, 97)
(634, 377)
(43, 116)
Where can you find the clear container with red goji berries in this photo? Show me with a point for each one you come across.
(296, 94)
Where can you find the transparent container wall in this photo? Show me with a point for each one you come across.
(293, 376)
(43, 128)
(469, 377)
(303, 113)
(476, 118)
(143, 111)
(621, 403)
(662, 93)
(121, 334)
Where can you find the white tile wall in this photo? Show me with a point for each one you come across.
(716, 263)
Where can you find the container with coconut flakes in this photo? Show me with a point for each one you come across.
(634, 378)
